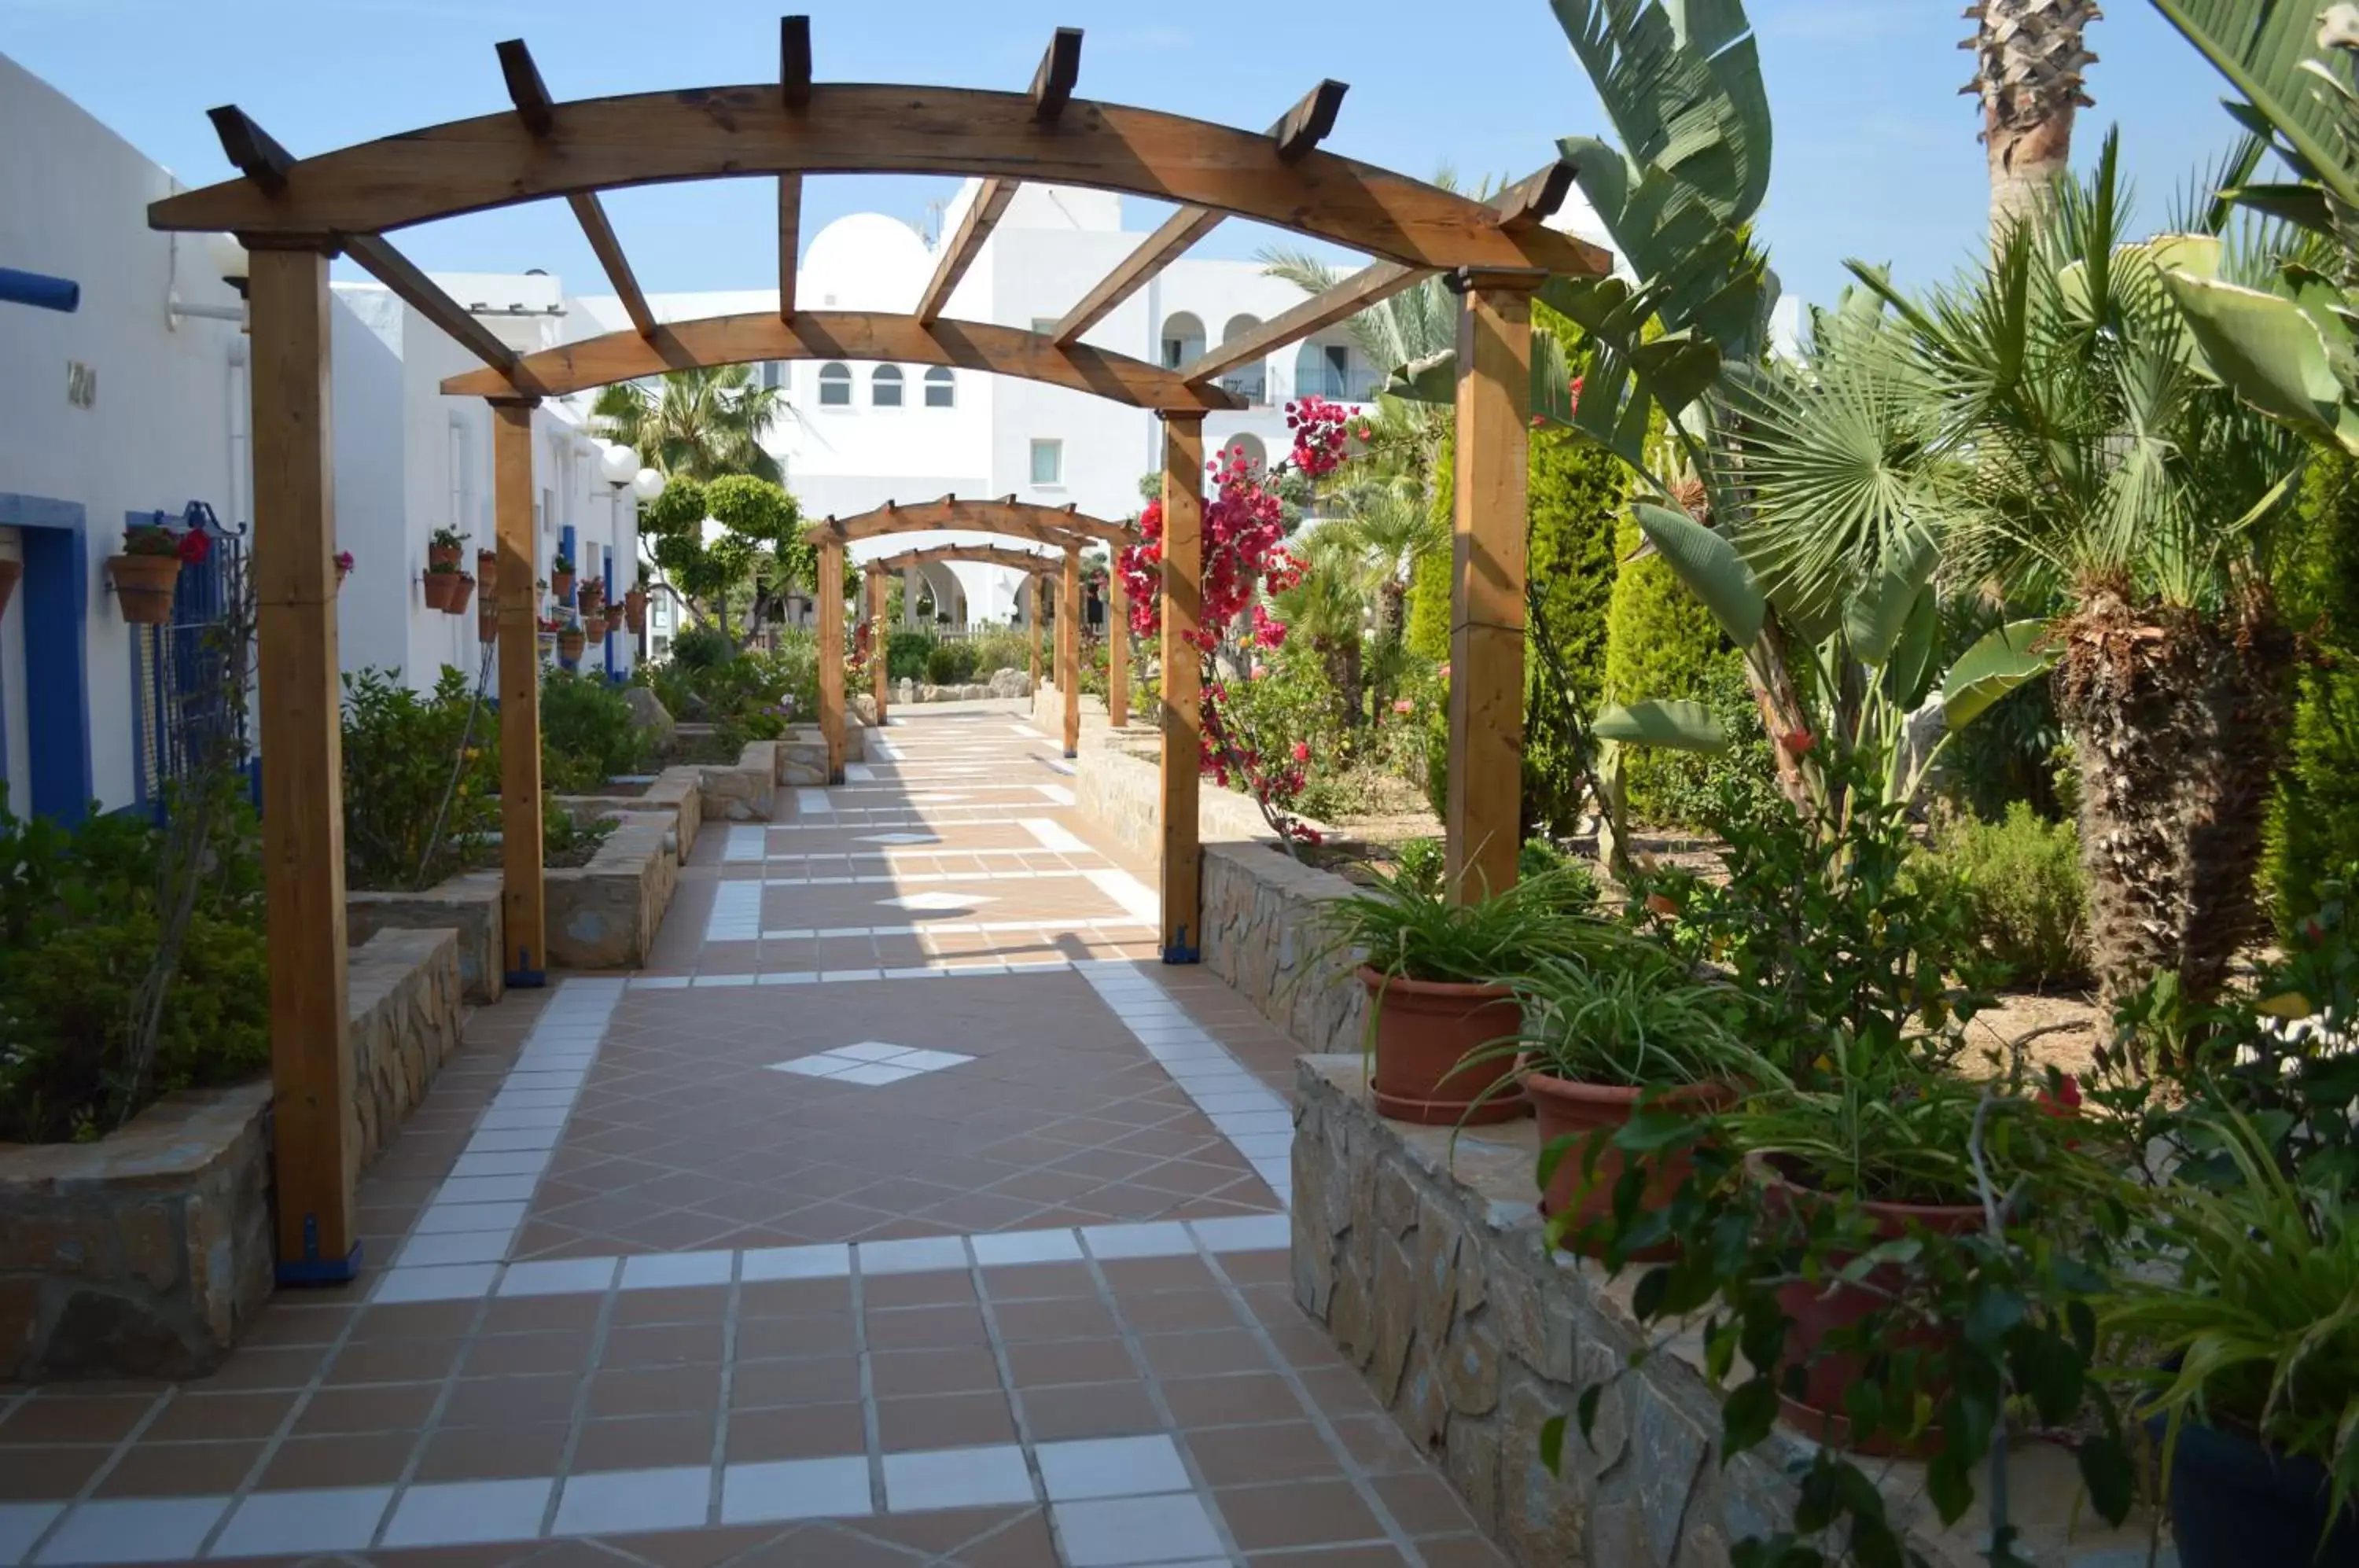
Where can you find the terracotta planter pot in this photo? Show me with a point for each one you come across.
(442, 555)
(1588, 1113)
(143, 586)
(487, 622)
(1818, 1311)
(569, 645)
(634, 602)
(439, 586)
(1424, 1029)
(487, 571)
(636, 617)
(10, 570)
(561, 583)
(459, 596)
(591, 595)
(595, 627)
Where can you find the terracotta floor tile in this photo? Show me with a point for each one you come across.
(1034, 1282)
(924, 1328)
(1230, 1401)
(1298, 1514)
(702, 1304)
(1057, 1318)
(804, 1432)
(961, 1369)
(782, 1298)
(662, 1344)
(1089, 1409)
(58, 1415)
(400, 1407)
(815, 1334)
(47, 1471)
(801, 1380)
(1461, 1551)
(511, 1401)
(306, 1461)
(1283, 1451)
(484, 1453)
(540, 1314)
(180, 1469)
(944, 1420)
(394, 1361)
(1127, 1275)
(647, 1391)
(1377, 1444)
(644, 1443)
(1206, 1353)
(193, 1417)
(518, 1354)
(1169, 1311)
(1424, 1504)
(1041, 1365)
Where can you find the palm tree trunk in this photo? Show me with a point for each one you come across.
(2177, 725)
(2028, 60)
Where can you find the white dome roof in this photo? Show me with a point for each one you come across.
(866, 261)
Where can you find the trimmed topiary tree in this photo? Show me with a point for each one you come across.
(1660, 642)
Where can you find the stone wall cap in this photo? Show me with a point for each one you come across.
(172, 1139)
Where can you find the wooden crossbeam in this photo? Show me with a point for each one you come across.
(1305, 124)
(251, 148)
(398, 273)
(1005, 515)
(981, 218)
(1157, 251)
(791, 222)
(1052, 84)
(1371, 285)
(538, 111)
(794, 63)
(1533, 199)
(981, 554)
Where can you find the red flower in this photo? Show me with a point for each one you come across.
(1302, 751)
(1799, 741)
(194, 546)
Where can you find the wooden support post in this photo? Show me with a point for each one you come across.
(831, 657)
(1039, 605)
(523, 895)
(880, 632)
(1183, 613)
(1069, 647)
(1117, 643)
(316, 1151)
(1483, 817)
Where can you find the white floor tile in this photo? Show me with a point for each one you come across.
(1158, 1238)
(455, 1513)
(1111, 1467)
(452, 1283)
(513, 1140)
(1120, 1532)
(913, 1254)
(455, 1247)
(486, 1189)
(134, 1529)
(666, 1271)
(1244, 1233)
(795, 1488)
(1000, 1248)
(21, 1525)
(443, 1218)
(621, 1501)
(956, 1478)
(827, 1260)
(558, 1277)
(331, 1518)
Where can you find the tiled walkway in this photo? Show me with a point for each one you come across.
(898, 1213)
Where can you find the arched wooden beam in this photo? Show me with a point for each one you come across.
(846, 334)
(601, 143)
(979, 554)
(1021, 520)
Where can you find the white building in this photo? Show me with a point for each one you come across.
(860, 434)
(135, 403)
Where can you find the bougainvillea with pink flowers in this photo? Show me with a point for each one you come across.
(1245, 561)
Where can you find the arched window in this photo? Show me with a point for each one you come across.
(1248, 446)
(835, 386)
(884, 387)
(1247, 380)
(942, 390)
(1183, 339)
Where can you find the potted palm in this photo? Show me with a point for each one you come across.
(561, 577)
(147, 572)
(1604, 1038)
(1436, 976)
(2246, 1313)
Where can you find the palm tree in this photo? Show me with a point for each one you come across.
(1329, 609)
(701, 424)
(1388, 529)
(2028, 60)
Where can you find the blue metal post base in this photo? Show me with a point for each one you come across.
(303, 1271)
(524, 979)
(1179, 951)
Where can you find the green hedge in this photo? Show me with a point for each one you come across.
(1660, 642)
(2314, 828)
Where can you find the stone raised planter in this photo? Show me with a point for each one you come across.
(803, 759)
(679, 791)
(742, 791)
(147, 1253)
(1262, 910)
(1117, 780)
(605, 915)
(468, 905)
(1431, 1269)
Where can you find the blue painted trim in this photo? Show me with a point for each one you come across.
(612, 674)
(566, 546)
(527, 979)
(316, 1271)
(40, 291)
(55, 593)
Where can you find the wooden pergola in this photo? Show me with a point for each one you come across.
(294, 213)
(1064, 528)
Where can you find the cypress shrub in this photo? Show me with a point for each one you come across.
(2314, 829)
(1428, 591)
(1660, 642)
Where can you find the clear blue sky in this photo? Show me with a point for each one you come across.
(1875, 153)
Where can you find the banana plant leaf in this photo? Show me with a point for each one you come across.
(2269, 352)
(1668, 724)
(1995, 666)
(1909, 675)
(2267, 48)
(1709, 567)
(1877, 613)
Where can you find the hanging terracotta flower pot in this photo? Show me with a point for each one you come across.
(143, 586)
(445, 548)
(440, 583)
(560, 579)
(487, 571)
(593, 594)
(488, 620)
(459, 596)
(635, 609)
(10, 570)
(594, 627)
(569, 644)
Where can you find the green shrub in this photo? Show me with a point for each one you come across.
(700, 648)
(2315, 822)
(79, 929)
(586, 733)
(400, 748)
(2019, 880)
(908, 655)
(1002, 648)
(1428, 590)
(1660, 642)
(949, 664)
(1538, 857)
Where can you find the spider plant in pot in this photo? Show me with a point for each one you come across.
(1625, 1034)
(2250, 1313)
(1436, 974)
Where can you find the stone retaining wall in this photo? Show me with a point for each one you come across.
(1262, 935)
(744, 791)
(679, 791)
(1430, 1268)
(1117, 780)
(405, 1004)
(467, 905)
(605, 915)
